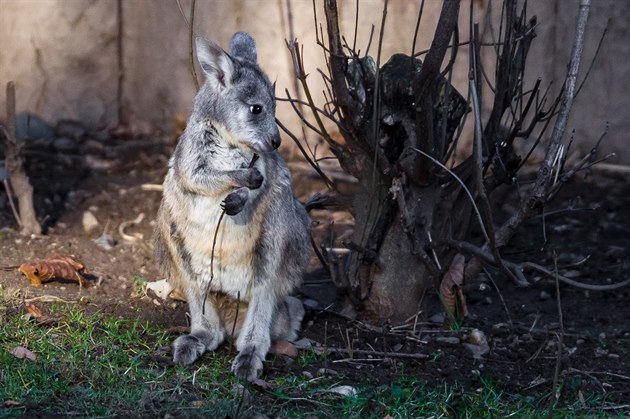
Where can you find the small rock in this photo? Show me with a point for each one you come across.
(347, 391)
(544, 296)
(106, 241)
(326, 371)
(437, 318)
(89, 222)
(307, 375)
(304, 343)
(451, 340)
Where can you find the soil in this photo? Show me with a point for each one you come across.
(585, 233)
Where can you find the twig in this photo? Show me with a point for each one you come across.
(121, 64)
(191, 58)
(556, 375)
(14, 210)
(369, 352)
(463, 185)
(590, 287)
(329, 183)
(415, 33)
(214, 242)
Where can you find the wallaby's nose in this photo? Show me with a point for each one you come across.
(275, 142)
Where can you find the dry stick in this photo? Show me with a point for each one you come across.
(415, 32)
(369, 352)
(121, 68)
(191, 59)
(554, 396)
(14, 210)
(329, 183)
(517, 268)
(214, 242)
(481, 189)
(463, 185)
(541, 187)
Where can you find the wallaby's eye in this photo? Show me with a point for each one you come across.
(255, 109)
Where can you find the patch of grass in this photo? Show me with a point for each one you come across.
(94, 365)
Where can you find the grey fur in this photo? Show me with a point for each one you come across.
(263, 241)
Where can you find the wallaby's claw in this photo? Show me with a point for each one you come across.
(235, 201)
(247, 365)
(186, 349)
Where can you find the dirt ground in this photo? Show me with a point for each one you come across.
(586, 228)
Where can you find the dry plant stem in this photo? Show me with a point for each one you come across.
(518, 268)
(191, 58)
(329, 183)
(15, 167)
(486, 210)
(368, 352)
(540, 191)
(14, 210)
(300, 75)
(424, 83)
(554, 395)
(214, 243)
(121, 69)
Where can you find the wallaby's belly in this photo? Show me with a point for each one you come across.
(231, 266)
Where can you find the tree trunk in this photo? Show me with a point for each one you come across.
(396, 210)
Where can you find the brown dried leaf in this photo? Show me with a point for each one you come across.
(21, 352)
(58, 267)
(451, 289)
(33, 311)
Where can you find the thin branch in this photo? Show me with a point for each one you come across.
(463, 185)
(191, 58)
(329, 183)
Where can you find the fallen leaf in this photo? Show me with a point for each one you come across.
(451, 289)
(58, 267)
(260, 383)
(21, 352)
(33, 311)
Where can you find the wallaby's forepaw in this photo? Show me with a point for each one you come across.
(248, 365)
(235, 201)
(254, 179)
(186, 349)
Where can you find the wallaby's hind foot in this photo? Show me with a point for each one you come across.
(248, 364)
(188, 348)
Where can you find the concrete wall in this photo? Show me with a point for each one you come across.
(63, 54)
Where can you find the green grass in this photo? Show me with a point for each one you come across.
(94, 365)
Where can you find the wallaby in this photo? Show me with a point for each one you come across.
(262, 244)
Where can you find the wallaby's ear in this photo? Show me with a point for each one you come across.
(243, 47)
(215, 63)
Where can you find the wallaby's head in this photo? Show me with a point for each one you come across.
(237, 94)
